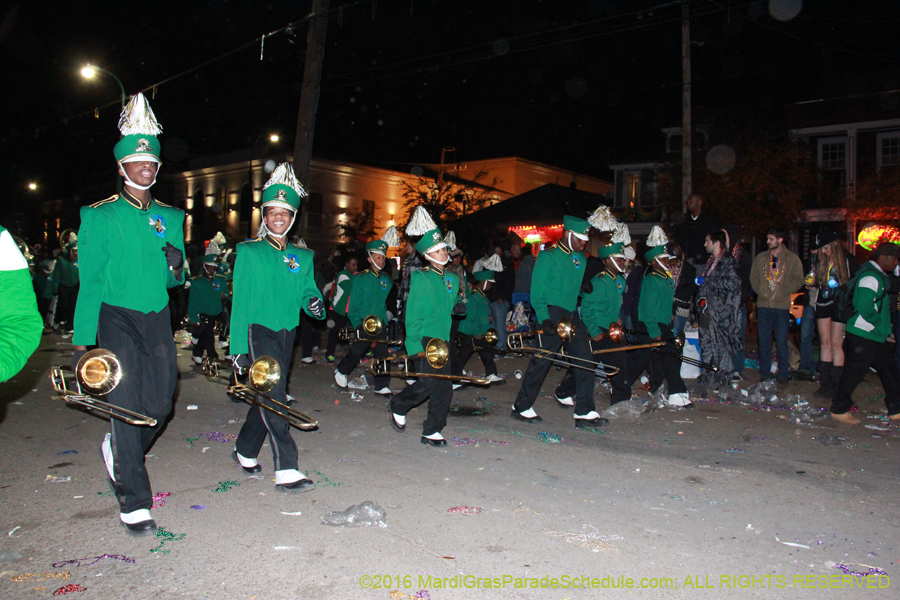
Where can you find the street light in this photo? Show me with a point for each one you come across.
(32, 186)
(273, 138)
(90, 71)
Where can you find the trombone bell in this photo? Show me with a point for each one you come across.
(436, 353)
(491, 336)
(373, 326)
(98, 372)
(264, 375)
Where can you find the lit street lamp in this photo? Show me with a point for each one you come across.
(90, 71)
(273, 138)
(32, 186)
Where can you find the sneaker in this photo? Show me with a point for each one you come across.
(340, 379)
(330, 359)
(358, 384)
(737, 377)
(308, 360)
(385, 391)
(493, 378)
(197, 359)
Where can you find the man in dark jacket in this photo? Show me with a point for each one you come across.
(691, 234)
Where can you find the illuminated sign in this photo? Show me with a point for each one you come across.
(872, 235)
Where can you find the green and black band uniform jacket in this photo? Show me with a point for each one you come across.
(478, 314)
(206, 296)
(655, 304)
(602, 306)
(272, 284)
(429, 308)
(556, 280)
(368, 296)
(121, 259)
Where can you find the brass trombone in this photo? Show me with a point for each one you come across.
(617, 335)
(264, 374)
(97, 373)
(211, 368)
(678, 341)
(373, 326)
(436, 353)
(565, 329)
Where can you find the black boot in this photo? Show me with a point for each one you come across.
(836, 374)
(825, 390)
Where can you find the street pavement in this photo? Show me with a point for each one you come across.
(720, 501)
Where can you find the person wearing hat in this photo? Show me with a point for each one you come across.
(867, 333)
(472, 327)
(208, 290)
(65, 286)
(652, 317)
(131, 250)
(433, 300)
(555, 285)
(834, 268)
(43, 288)
(273, 283)
(601, 306)
(368, 295)
(20, 321)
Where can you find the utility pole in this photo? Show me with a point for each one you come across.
(685, 106)
(309, 94)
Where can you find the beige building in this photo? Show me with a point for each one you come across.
(221, 193)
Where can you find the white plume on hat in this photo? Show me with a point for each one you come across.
(215, 244)
(493, 264)
(450, 240)
(284, 175)
(392, 237)
(421, 222)
(602, 220)
(657, 237)
(137, 118)
(621, 235)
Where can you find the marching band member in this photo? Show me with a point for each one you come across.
(273, 282)
(600, 307)
(477, 322)
(431, 303)
(20, 321)
(205, 307)
(555, 285)
(653, 322)
(369, 291)
(131, 249)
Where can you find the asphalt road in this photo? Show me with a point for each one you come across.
(717, 502)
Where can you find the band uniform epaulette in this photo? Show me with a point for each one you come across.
(112, 198)
(166, 205)
(478, 291)
(363, 272)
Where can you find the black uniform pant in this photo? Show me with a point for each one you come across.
(144, 345)
(438, 392)
(660, 366)
(358, 350)
(862, 353)
(538, 367)
(280, 346)
(340, 321)
(205, 334)
(467, 346)
(621, 391)
(65, 305)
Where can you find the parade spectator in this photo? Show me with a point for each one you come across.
(806, 369)
(684, 275)
(743, 261)
(691, 234)
(524, 269)
(867, 332)
(718, 300)
(776, 274)
(834, 268)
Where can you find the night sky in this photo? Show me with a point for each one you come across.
(573, 83)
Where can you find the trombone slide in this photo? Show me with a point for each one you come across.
(295, 418)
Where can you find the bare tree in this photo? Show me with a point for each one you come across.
(445, 201)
